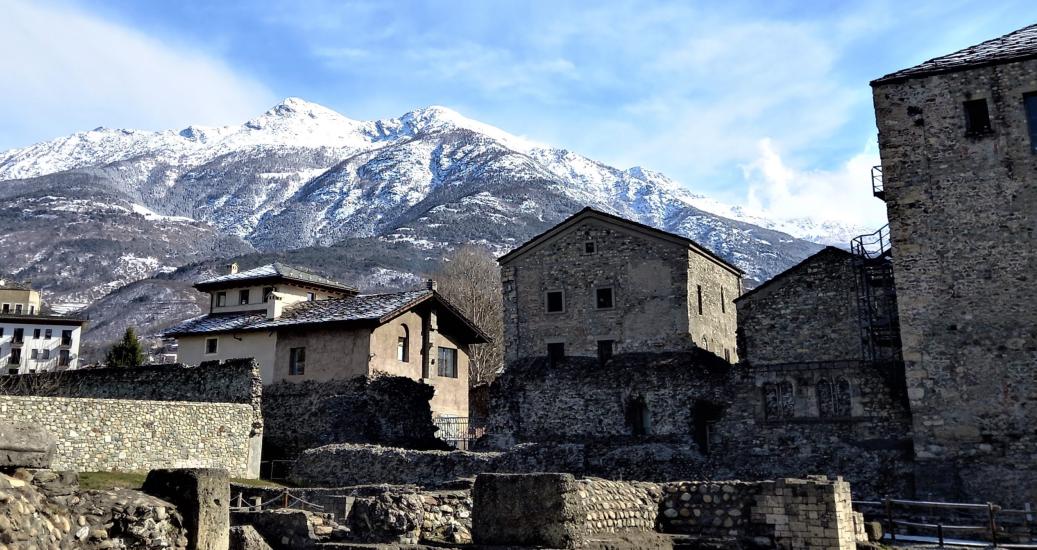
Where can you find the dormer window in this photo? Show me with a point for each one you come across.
(977, 117)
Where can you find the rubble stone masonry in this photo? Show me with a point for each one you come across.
(962, 210)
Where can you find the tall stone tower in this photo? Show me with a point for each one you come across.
(958, 140)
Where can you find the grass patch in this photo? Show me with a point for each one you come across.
(134, 480)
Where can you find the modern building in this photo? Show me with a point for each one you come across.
(300, 326)
(958, 142)
(30, 340)
(598, 284)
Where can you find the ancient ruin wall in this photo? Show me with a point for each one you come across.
(962, 208)
(103, 427)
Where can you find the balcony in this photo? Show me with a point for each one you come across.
(877, 188)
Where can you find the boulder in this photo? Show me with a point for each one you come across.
(245, 537)
(25, 446)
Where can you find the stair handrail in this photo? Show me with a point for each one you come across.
(872, 245)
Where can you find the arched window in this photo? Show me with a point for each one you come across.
(843, 401)
(788, 400)
(771, 406)
(403, 344)
(825, 405)
(778, 400)
(638, 418)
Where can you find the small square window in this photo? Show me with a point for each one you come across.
(603, 298)
(556, 351)
(221, 299)
(588, 247)
(211, 345)
(242, 297)
(34, 354)
(555, 301)
(977, 117)
(311, 296)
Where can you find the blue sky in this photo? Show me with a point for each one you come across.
(761, 103)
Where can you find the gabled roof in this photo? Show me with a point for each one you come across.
(1014, 46)
(272, 272)
(826, 251)
(363, 309)
(589, 213)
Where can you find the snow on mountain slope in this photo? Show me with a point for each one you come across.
(301, 175)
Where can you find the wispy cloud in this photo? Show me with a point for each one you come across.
(68, 70)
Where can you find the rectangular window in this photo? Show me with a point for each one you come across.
(64, 358)
(36, 333)
(32, 309)
(267, 291)
(243, 297)
(588, 247)
(603, 298)
(211, 345)
(45, 355)
(402, 353)
(19, 335)
(66, 338)
(556, 351)
(297, 361)
(1030, 102)
(605, 350)
(7, 308)
(48, 334)
(698, 289)
(16, 356)
(311, 296)
(447, 363)
(221, 299)
(555, 301)
(18, 309)
(977, 118)
(34, 355)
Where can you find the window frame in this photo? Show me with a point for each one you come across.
(590, 248)
(403, 345)
(297, 361)
(311, 296)
(446, 369)
(15, 357)
(244, 296)
(66, 337)
(37, 333)
(64, 358)
(267, 291)
(970, 114)
(698, 292)
(547, 301)
(612, 297)
(221, 299)
(611, 350)
(48, 334)
(215, 347)
(1030, 98)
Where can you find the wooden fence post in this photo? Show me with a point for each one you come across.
(889, 520)
(993, 526)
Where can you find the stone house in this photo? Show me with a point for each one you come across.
(299, 326)
(958, 142)
(597, 284)
(31, 340)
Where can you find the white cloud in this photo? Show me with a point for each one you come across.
(842, 195)
(67, 69)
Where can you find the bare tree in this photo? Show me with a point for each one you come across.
(470, 279)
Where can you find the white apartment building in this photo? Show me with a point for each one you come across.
(30, 340)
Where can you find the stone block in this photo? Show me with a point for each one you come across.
(526, 510)
(874, 531)
(25, 445)
(202, 495)
(245, 537)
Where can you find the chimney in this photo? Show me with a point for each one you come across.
(233, 268)
(430, 284)
(3, 282)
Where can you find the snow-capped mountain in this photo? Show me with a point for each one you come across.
(106, 207)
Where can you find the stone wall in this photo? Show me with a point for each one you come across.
(806, 314)
(633, 398)
(793, 513)
(347, 464)
(136, 422)
(381, 410)
(962, 208)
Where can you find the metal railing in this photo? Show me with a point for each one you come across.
(872, 245)
(455, 430)
(990, 522)
(877, 187)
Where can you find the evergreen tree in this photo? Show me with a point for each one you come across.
(126, 353)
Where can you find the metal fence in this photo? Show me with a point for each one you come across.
(456, 431)
(954, 523)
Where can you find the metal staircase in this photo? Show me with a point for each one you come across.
(876, 297)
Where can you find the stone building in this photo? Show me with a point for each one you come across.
(300, 326)
(958, 139)
(597, 284)
(31, 340)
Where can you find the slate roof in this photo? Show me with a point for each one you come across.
(1014, 46)
(369, 308)
(826, 251)
(275, 270)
